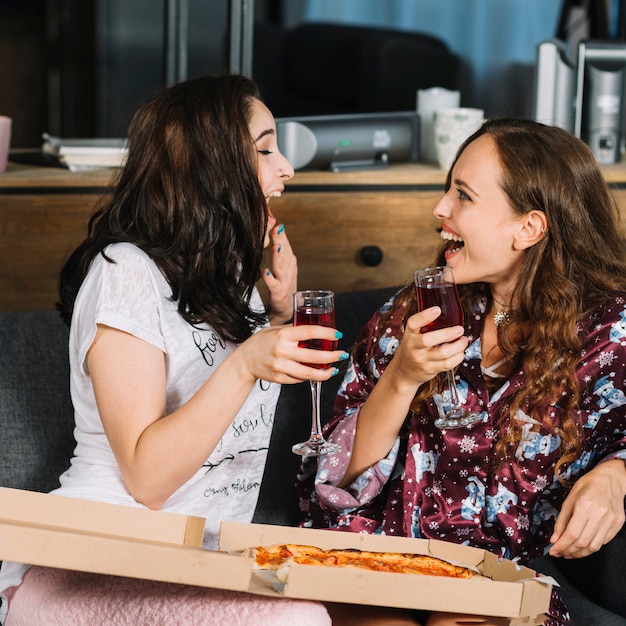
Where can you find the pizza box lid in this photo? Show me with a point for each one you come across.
(101, 553)
(504, 589)
(20, 505)
(71, 533)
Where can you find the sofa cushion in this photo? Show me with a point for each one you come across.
(583, 583)
(36, 416)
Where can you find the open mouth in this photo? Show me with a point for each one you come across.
(456, 242)
(273, 194)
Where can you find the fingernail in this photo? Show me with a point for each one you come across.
(335, 372)
(344, 356)
(279, 248)
(281, 228)
(268, 273)
(338, 334)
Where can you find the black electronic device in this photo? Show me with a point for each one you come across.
(348, 142)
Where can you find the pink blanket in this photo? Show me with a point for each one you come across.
(56, 597)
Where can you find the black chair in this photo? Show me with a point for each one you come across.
(325, 69)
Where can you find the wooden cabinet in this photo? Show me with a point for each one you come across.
(352, 240)
(330, 218)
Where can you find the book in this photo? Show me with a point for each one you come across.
(82, 154)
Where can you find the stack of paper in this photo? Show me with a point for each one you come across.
(82, 154)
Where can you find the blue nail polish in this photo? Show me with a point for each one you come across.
(281, 228)
(268, 273)
(344, 357)
(338, 334)
(335, 372)
(279, 249)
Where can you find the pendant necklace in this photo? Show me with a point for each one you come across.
(501, 317)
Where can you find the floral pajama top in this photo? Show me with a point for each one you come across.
(444, 484)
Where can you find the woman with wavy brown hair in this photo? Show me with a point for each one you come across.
(534, 239)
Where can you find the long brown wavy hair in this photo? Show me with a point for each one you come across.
(188, 196)
(578, 265)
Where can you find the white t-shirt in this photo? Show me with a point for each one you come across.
(132, 295)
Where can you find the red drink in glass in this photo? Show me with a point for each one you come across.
(445, 296)
(315, 316)
(435, 286)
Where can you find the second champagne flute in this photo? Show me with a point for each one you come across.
(435, 286)
(318, 308)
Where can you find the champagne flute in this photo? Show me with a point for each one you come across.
(435, 286)
(315, 307)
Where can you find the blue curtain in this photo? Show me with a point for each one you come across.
(497, 39)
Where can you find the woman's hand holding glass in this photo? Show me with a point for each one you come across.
(273, 354)
(418, 358)
(435, 286)
(278, 354)
(421, 356)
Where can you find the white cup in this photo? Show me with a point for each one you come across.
(452, 127)
(428, 101)
(5, 141)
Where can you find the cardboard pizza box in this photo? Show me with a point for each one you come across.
(504, 589)
(77, 514)
(55, 531)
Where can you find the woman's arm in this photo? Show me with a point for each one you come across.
(419, 358)
(156, 452)
(593, 512)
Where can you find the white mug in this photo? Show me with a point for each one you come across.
(428, 101)
(452, 127)
(5, 141)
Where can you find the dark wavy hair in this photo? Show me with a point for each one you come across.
(578, 265)
(189, 197)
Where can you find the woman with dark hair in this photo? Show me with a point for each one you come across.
(175, 362)
(534, 239)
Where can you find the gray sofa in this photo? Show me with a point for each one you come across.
(36, 443)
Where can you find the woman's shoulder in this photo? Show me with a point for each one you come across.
(124, 258)
(611, 309)
(124, 269)
(606, 317)
(125, 251)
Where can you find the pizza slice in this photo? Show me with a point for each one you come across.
(279, 557)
